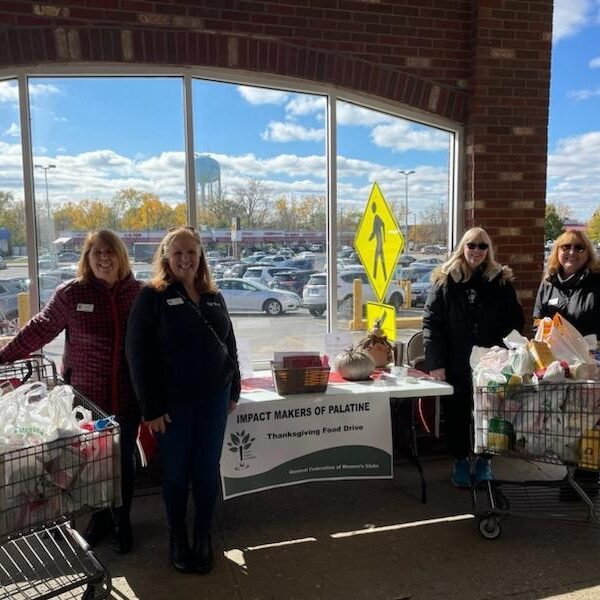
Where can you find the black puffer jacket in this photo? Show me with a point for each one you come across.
(578, 300)
(459, 315)
(173, 355)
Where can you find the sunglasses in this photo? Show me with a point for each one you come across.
(481, 246)
(575, 247)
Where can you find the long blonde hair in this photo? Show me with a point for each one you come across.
(113, 241)
(160, 265)
(572, 236)
(457, 263)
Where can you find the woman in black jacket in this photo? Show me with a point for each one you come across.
(571, 287)
(183, 362)
(471, 303)
(571, 283)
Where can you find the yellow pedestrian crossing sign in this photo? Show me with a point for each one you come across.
(379, 242)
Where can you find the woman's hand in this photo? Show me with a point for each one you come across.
(438, 374)
(232, 406)
(159, 425)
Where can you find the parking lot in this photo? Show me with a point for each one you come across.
(262, 333)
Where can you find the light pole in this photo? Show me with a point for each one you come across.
(406, 175)
(46, 168)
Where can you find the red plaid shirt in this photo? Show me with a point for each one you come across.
(94, 318)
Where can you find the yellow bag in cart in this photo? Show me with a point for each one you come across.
(590, 450)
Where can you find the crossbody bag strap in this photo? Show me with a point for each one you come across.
(197, 310)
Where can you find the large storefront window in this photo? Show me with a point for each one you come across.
(118, 152)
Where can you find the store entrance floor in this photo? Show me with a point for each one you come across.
(371, 540)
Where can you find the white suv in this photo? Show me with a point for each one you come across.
(314, 296)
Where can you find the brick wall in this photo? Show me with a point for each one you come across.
(480, 63)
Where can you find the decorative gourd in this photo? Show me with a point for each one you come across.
(377, 346)
(354, 364)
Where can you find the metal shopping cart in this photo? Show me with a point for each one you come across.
(551, 423)
(41, 488)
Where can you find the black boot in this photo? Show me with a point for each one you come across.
(122, 538)
(179, 552)
(99, 526)
(203, 554)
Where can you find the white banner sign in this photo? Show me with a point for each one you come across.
(284, 442)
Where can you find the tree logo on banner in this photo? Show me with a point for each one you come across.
(240, 442)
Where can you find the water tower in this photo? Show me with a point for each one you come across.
(208, 177)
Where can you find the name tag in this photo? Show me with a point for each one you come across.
(174, 301)
(85, 307)
(553, 301)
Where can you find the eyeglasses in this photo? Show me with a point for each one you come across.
(481, 245)
(575, 247)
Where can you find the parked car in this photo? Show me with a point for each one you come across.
(235, 270)
(143, 275)
(9, 292)
(314, 297)
(431, 260)
(2, 263)
(419, 291)
(242, 295)
(264, 274)
(220, 266)
(406, 260)
(292, 281)
(64, 273)
(47, 261)
(414, 272)
(69, 256)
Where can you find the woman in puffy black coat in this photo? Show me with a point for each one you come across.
(471, 303)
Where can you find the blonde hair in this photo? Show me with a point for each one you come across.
(113, 241)
(457, 261)
(572, 236)
(162, 273)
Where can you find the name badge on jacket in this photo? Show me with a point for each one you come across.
(174, 301)
(85, 307)
(553, 301)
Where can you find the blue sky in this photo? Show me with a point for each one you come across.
(104, 134)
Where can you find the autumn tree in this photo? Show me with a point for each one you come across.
(252, 201)
(553, 223)
(12, 217)
(151, 214)
(593, 227)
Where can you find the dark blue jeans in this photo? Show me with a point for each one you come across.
(129, 432)
(190, 451)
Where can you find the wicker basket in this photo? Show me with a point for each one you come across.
(301, 380)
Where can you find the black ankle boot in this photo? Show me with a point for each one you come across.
(179, 553)
(203, 554)
(98, 527)
(122, 538)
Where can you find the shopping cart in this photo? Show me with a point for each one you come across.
(44, 486)
(552, 423)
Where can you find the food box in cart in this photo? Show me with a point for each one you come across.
(45, 482)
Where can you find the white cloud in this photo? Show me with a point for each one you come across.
(350, 114)
(291, 132)
(595, 63)
(255, 95)
(305, 105)
(570, 16)
(13, 130)
(9, 92)
(401, 137)
(579, 95)
(574, 174)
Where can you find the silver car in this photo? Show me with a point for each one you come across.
(242, 295)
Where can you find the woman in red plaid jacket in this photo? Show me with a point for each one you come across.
(92, 310)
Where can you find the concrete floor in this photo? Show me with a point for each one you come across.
(371, 540)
